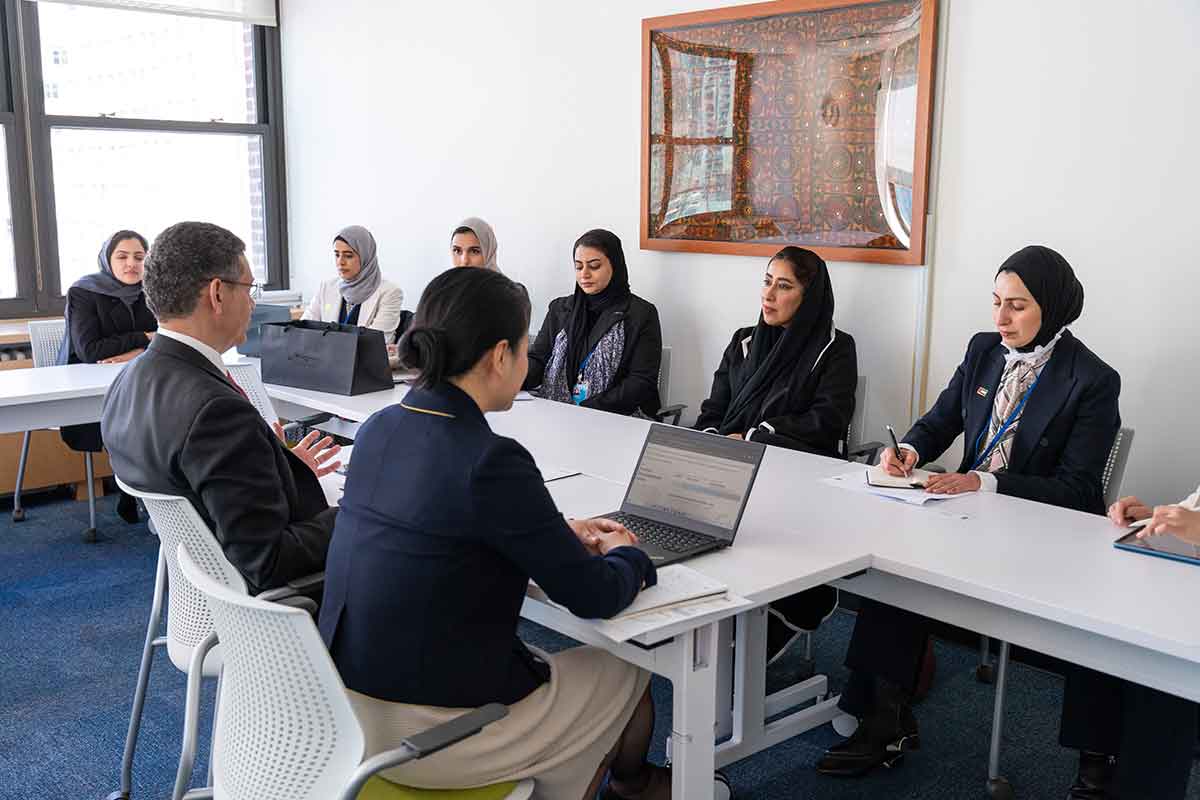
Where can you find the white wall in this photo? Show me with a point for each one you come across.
(408, 117)
(1072, 123)
(1076, 124)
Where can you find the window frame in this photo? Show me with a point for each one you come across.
(28, 130)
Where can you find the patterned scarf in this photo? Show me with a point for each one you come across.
(559, 380)
(1020, 373)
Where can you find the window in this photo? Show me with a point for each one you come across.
(132, 119)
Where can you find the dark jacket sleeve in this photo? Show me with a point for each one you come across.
(1076, 480)
(543, 346)
(638, 388)
(229, 460)
(526, 528)
(88, 341)
(823, 425)
(941, 425)
(712, 410)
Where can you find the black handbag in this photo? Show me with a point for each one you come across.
(325, 357)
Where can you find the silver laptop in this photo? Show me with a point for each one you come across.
(688, 492)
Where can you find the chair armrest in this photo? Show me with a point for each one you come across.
(424, 744)
(299, 587)
(673, 411)
(868, 449)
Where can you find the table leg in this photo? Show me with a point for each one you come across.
(693, 756)
(998, 787)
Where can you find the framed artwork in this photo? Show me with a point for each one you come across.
(802, 122)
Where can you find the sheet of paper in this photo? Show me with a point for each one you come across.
(879, 478)
(524, 396)
(676, 584)
(622, 629)
(857, 481)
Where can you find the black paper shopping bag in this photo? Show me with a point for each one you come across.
(325, 357)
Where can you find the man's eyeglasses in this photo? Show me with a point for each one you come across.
(256, 289)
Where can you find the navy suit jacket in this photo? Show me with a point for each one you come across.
(1065, 433)
(441, 526)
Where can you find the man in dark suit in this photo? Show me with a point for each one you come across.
(176, 423)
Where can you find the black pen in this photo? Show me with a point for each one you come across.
(896, 449)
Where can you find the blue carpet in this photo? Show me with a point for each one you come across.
(74, 617)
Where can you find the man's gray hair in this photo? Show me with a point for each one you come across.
(184, 258)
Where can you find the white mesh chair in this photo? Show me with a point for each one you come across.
(1110, 486)
(672, 412)
(855, 448)
(248, 378)
(286, 728)
(188, 620)
(45, 339)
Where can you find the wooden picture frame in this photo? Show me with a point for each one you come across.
(776, 166)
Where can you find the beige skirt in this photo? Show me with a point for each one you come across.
(558, 735)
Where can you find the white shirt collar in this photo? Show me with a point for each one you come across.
(200, 347)
(1041, 353)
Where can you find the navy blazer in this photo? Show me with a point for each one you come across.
(441, 526)
(1065, 433)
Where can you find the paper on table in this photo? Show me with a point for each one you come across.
(622, 629)
(856, 481)
(524, 396)
(676, 584)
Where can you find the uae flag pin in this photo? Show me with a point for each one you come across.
(982, 392)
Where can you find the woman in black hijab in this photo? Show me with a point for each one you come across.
(1038, 412)
(789, 380)
(108, 321)
(601, 346)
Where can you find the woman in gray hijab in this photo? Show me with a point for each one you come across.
(358, 295)
(108, 322)
(473, 244)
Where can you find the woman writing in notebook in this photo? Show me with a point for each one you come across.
(423, 589)
(1038, 411)
(600, 347)
(788, 381)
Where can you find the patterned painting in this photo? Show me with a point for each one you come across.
(793, 128)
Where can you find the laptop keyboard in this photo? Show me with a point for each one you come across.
(667, 537)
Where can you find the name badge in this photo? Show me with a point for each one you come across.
(580, 393)
(982, 392)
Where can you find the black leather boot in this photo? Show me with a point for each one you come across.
(882, 738)
(1094, 781)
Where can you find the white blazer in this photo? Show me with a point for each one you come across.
(380, 311)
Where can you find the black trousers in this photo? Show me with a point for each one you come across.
(888, 643)
(1152, 734)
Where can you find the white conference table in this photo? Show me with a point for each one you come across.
(1034, 575)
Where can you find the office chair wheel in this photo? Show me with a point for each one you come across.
(18, 515)
(985, 673)
(89, 535)
(1000, 789)
(118, 795)
(845, 724)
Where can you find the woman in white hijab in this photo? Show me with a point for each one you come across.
(358, 295)
(473, 244)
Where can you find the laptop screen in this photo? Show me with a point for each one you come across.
(693, 480)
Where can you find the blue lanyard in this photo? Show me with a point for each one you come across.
(1004, 427)
(583, 367)
(349, 310)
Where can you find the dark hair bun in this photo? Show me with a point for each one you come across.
(424, 348)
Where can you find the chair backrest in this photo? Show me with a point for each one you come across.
(854, 432)
(247, 376)
(1114, 468)
(285, 727)
(664, 376)
(188, 619)
(45, 339)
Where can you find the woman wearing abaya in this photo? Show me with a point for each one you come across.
(1039, 413)
(108, 322)
(788, 381)
(358, 295)
(601, 346)
(473, 244)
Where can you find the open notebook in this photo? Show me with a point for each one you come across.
(879, 478)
